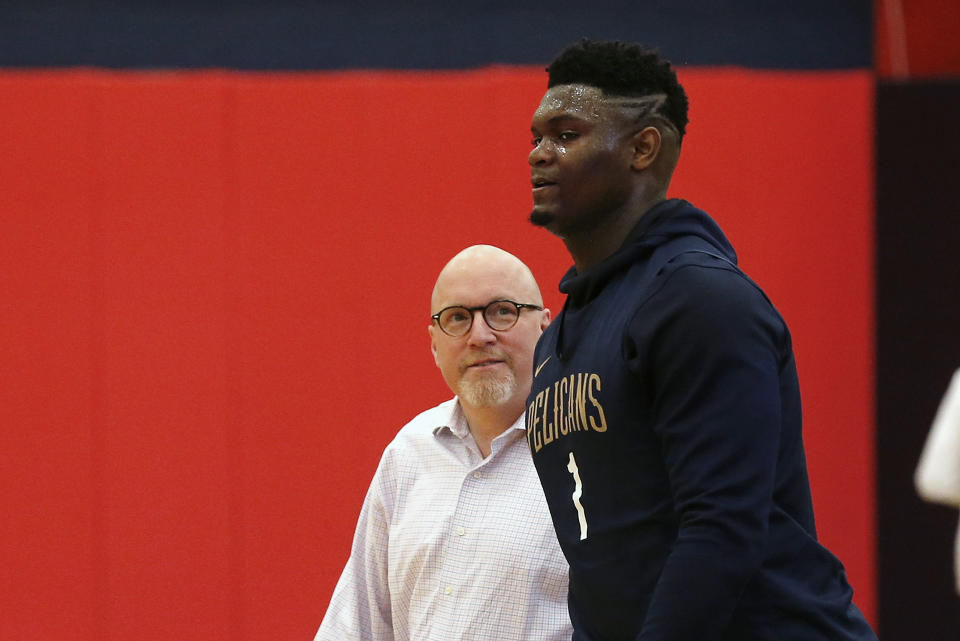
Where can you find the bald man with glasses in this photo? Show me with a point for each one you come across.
(454, 540)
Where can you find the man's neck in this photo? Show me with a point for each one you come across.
(488, 422)
(593, 246)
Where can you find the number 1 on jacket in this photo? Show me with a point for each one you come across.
(577, 493)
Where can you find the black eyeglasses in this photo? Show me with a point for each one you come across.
(500, 315)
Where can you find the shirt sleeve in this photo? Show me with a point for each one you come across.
(360, 608)
(938, 473)
(713, 366)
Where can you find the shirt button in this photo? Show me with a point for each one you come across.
(448, 590)
(478, 475)
(461, 531)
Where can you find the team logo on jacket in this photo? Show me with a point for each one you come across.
(569, 405)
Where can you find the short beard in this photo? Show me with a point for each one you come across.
(488, 392)
(541, 219)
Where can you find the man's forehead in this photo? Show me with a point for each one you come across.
(573, 100)
(585, 102)
(478, 284)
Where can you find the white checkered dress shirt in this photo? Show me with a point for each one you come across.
(450, 546)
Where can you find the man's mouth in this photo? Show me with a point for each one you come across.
(485, 362)
(541, 183)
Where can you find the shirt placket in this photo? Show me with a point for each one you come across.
(460, 570)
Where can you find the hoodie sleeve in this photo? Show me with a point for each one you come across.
(712, 355)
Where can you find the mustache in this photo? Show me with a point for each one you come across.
(480, 357)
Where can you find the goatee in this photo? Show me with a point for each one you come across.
(540, 218)
(488, 392)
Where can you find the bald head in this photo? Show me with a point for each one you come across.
(485, 271)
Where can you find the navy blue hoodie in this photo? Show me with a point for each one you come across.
(665, 424)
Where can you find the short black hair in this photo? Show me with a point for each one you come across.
(622, 69)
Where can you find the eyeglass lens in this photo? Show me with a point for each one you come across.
(499, 315)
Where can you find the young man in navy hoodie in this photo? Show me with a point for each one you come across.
(664, 418)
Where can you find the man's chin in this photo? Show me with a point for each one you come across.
(488, 392)
(541, 218)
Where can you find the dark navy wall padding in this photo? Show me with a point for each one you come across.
(429, 34)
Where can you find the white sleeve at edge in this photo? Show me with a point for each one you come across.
(938, 474)
(360, 606)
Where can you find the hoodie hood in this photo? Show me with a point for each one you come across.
(662, 223)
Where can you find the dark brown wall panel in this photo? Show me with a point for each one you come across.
(918, 348)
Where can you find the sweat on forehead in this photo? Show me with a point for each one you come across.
(583, 101)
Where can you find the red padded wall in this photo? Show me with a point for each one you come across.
(215, 292)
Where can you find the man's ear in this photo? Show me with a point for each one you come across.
(433, 344)
(545, 319)
(646, 147)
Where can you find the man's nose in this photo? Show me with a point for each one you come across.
(540, 154)
(480, 333)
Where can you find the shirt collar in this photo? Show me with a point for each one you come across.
(456, 424)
